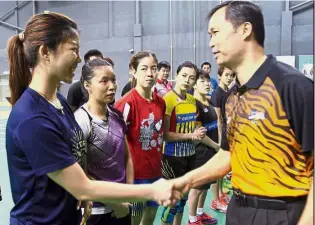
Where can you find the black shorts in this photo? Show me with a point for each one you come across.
(108, 219)
(173, 167)
(203, 155)
(241, 215)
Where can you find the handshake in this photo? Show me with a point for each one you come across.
(164, 192)
(169, 192)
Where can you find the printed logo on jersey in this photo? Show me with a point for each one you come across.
(148, 133)
(211, 126)
(79, 149)
(255, 116)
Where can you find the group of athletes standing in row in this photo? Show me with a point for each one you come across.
(150, 106)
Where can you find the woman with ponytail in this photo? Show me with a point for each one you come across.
(45, 145)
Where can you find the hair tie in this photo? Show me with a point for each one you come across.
(21, 36)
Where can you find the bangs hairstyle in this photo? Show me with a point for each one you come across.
(202, 74)
(186, 64)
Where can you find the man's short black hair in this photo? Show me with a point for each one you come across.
(92, 52)
(239, 12)
(206, 63)
(111, 62)
(164, 64)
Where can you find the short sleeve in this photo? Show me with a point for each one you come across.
(297, 95)
(164, 105)
(84, 122)
(169, 107)
(224, 141)
(74, 94)
(198, 109)
(43, 144)
(125, 109)
(215, 84)
(215, 99)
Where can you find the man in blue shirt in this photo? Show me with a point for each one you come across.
(206, 66)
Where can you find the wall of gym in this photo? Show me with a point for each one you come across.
(175, 31)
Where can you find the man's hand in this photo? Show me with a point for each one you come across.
(162, 192)
(181, 185)
(121, 210)
(87, 210)
(169, 192)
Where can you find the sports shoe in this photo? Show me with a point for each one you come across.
(198, 222)
(226, 198)
(207, 219)
(219, 205)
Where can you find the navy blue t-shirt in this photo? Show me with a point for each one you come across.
(41, 139)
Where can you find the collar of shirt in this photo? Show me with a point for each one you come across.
(259, 76)
(161, 82)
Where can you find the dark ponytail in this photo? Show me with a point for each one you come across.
(20, 75)
(45, 29)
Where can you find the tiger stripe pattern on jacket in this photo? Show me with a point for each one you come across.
(266, 158)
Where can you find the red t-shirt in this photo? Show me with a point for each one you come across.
(144, 120)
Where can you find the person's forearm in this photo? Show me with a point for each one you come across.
(209, 142)
(218, 166)
(172, 136)
(109, 192)
(307, 217)
(219, 131)
(128, 164)
(74, 180)
(129, 171)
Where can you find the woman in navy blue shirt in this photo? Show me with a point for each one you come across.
(45, 146)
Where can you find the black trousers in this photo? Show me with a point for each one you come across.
(107, 219)
(243, 215)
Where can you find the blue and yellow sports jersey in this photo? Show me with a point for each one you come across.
(183, 113)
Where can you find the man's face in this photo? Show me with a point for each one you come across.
(226, 43)
(206, 68)
(163, 74)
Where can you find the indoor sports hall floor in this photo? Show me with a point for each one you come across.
(6, 204)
